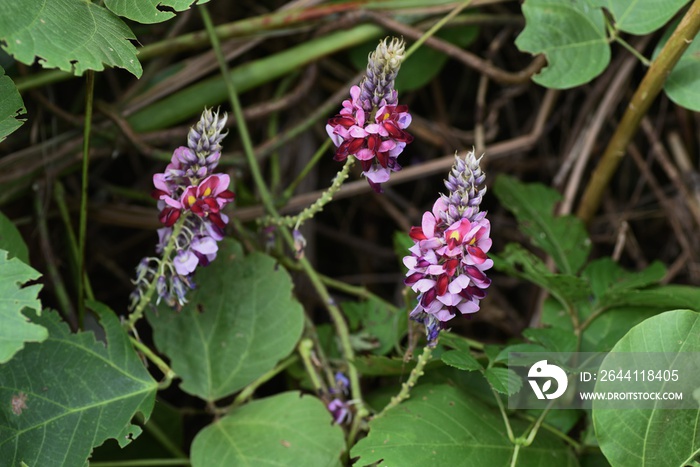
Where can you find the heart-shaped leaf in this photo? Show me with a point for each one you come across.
(653, 437)
(240, 321)
(70, 393)
(443, 425)
(283, 430)
(72, 35)
(640, 16)
(572, 36)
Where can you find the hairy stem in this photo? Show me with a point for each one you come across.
(406, 387)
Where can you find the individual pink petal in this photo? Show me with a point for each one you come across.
(377, 174)
(423, 285)
(428, 224)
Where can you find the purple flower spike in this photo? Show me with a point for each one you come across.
(371, 126)
(448, 259)
(190, 193)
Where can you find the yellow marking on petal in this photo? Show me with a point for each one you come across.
(386, 116)
(191, 199)
(207, 192)
(454, 234)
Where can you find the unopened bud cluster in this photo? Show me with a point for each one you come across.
(371, 126)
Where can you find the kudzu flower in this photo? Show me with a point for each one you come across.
(340, 411)
(448, 259)
(188, 187)
(371, 126)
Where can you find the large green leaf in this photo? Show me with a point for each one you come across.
(72, 35)
(653, 437)
(241, 320)
(149, 11)
(283, 430)
(70, 393)
(564, 238)
(11, 106)
(16, 329)
(640, 16)
(572, 36)
(442, 425)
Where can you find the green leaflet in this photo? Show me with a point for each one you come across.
(70, 393)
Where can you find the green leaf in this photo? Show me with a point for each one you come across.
(682, 85)
(461, 360)
(653, 437)
(553, 339)
(640, 16)
(283, 430)
(16, 329)
(455, 341)
(425, 63)
(240, 321)
(381, 322)
(503, 356)
(605, 276)
(604, 332)
(70, 393)
(517, 261)
(72, 35)
(11, 106)
(564, 238)
(442, 425)
(666, 297)
(503, 380)
(10, 238)
(572, 36)
(149, 11)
